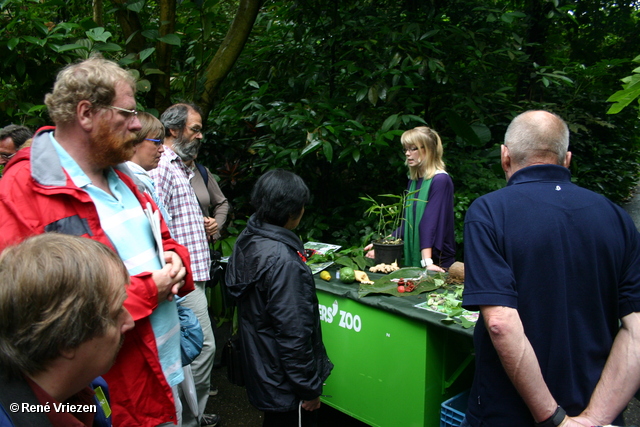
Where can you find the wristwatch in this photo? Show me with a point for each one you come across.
(555, 419)
(426, 262)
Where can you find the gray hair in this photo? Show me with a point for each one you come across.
(535, 135)
(175, 117)
(18, 134)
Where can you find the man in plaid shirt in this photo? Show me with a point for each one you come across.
(183, 136)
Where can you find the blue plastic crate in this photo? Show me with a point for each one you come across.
(452, 411)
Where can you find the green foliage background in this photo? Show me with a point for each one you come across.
(325, 88)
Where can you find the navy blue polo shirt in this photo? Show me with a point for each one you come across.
(568, 260)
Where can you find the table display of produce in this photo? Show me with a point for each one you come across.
(400, 342)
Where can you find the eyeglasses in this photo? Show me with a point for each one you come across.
(411, 149)
(195, 129)
(155, 141)
(8, 156)
(127, 113)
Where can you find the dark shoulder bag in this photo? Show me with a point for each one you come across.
(231, 355)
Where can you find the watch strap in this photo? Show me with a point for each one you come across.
(555, 419)
(426, 262)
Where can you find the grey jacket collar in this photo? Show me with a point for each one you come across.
(47, 170)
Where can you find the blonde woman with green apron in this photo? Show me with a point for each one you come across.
(428, 229)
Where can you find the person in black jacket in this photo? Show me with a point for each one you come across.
(284, 360)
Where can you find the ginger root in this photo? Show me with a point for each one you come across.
(384, 268)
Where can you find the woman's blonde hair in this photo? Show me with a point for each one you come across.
(430, 145)
(150, 124)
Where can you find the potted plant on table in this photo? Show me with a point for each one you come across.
(387, 247)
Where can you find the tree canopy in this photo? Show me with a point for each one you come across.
(325, 88)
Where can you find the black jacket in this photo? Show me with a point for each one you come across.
(17, 391)
(284, 359)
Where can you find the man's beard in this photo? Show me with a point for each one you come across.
(109, 149)
(187, 150)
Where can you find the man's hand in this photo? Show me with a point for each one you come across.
(210, 226)
(311, 405)
(621, 375)
(170, 278)
(170, 257)
(577, 422)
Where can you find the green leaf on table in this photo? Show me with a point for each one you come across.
(363, 262)
(345, 261)
(386, 285)
(466, 323)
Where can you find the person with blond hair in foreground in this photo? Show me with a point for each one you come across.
(62, 322)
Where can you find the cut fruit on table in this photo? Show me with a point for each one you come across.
(388, 284)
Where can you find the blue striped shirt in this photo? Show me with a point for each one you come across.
(128, 228)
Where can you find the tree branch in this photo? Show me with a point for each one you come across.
(229, 51)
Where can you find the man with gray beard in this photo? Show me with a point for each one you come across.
(183, 136)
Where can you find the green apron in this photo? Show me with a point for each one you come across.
(412, 255)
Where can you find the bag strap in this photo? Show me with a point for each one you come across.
(203, 172)
(205, 178)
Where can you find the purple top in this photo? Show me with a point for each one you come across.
(437, 224)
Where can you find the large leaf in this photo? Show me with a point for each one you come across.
(11, 44)
(624, 97)
(136, 6)
(386, 285)
(98, 34)
(107, 47)
(314, 144)
(143, 85)
(328, 150)
(35, 40)
(463, 130)
(146, 53)
(68, 47)
(171, 39)
(389, 122)
(482, 131)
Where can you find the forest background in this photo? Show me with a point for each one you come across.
(325, 88)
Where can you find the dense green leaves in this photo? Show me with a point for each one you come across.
(326, 88)
(339, 82)
(629, 93)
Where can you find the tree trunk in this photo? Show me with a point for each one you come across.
(535, 39)
(161, 88)
(130, 24)
(98, 10)
(228, 52)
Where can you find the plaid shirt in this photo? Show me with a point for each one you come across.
(172, 178)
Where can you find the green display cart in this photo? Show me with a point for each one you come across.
(394, 363)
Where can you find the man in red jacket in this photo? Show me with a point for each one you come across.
(72, 181)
